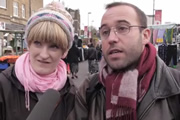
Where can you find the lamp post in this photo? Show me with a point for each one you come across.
(88, 23)
(92, 28)
(153, 12)
(92, 23)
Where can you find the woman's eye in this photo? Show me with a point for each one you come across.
(37, 43)
(54, 47)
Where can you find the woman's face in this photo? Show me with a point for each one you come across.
(44, 57)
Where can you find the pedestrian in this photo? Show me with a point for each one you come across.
(81, 50)
(98, 52)
(49, 36)
(73, 60)
(133, 82)
(92, 57)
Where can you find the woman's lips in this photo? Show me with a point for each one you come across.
(44, 62)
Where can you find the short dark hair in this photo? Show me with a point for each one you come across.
(75, 37)
(140, 14)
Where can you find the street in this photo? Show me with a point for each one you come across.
(82, 74)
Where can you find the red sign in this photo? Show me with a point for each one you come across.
(158, 16)
(85, 31)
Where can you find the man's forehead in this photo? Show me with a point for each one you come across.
(118, 22)
(115, 15)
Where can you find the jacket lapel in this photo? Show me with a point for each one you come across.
(163, 85)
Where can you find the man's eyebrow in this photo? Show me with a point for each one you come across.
(102, 26)
(123, 21)
(119, 21)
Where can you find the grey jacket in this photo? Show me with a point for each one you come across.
(157, 104)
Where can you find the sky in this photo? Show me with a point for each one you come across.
(170, 9)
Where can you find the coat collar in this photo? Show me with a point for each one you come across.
(10, 74)
(163, 85)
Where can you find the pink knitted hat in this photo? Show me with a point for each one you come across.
(55, 12)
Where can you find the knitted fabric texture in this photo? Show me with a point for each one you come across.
(54, 12)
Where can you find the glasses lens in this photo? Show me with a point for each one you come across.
(122, 29)
(104, 33)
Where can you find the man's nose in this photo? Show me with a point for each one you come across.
(113, 36)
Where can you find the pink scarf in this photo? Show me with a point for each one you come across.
(37, 83)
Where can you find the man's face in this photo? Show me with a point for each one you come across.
(122, 50)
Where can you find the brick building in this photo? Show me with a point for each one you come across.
(76, 17)
(15, 13)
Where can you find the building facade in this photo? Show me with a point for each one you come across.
(15, 13)
(76, 17)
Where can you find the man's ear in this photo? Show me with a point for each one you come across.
(146, 36)
(65, 54)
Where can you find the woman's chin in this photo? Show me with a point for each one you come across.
(43, 72)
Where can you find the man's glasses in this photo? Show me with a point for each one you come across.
(118, 30)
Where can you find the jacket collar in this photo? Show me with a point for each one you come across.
(11, 75)
(163, 85)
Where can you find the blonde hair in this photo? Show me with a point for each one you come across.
(48, 32)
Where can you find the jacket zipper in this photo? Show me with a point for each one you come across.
(149, 106)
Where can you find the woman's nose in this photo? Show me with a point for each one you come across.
(44, 53)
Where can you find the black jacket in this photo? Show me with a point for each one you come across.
(12, 99)
(73, 55)
(92, 53)
(161, 102)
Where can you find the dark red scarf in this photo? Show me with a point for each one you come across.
(124, 89)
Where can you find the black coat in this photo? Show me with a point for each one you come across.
(73, 55)
(12, 99)
(92, 55)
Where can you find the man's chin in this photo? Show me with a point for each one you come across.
(122, 66)
(116, 66)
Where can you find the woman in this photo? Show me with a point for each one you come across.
(49, 36)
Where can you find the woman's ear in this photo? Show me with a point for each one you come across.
(65, 54)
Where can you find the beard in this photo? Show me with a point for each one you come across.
(129, 60)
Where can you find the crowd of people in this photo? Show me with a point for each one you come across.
(131, 82)
(74, 56)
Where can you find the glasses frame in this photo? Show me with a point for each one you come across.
(115, 30)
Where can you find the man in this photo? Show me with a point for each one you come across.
(92, 57)
(133, 82)
(73, 60)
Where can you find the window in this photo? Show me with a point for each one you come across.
(3, 3)
(23, 11)
(15, 9)
(72, 14)
(32, 12)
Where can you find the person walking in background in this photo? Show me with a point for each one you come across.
(92, 57)
(133, 82)
(73, 59)
(81, 50)
(76, 39)
(98, 52)
(49, 36)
